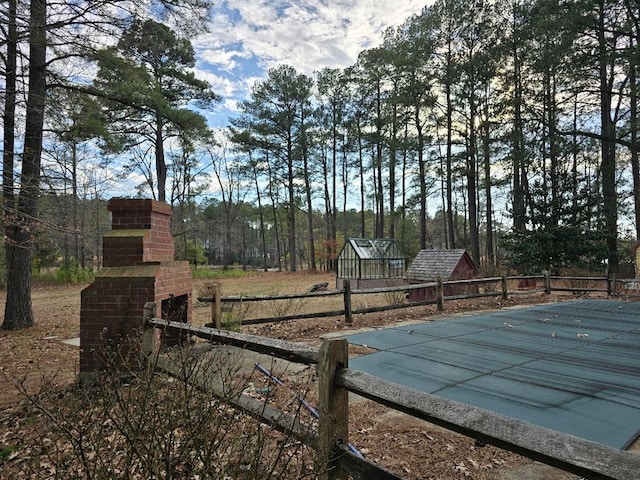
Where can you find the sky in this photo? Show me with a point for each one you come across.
(247, 37)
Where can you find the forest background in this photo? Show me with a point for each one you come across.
(508, 128)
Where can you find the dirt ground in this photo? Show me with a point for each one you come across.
(410, 448)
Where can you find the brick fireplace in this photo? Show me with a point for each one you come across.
(138, 268)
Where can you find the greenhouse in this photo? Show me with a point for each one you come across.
(371, 262)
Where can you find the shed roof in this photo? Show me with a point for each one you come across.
(375, 248)
(430, 264)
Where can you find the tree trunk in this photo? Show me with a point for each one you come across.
(379, 233)
(551, 123)
(422, 180)
(161, 166)
(633, 121)
(18, 309)
(307, 184)
(345, 187)
(519, 178)
(392, 170)
(75, 200)
(9, 122)
(329, 247)
(608, 147)
(574, 162)
(451, 239)
(82, 247)
(333, 227)
(634, 44)
(403, 176)
(263, 237)
(274, 211)
(9, 113)
(291, 217)
(474, 235)
(363, 230)
(486, 153)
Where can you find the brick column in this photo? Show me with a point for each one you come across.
(138, 268)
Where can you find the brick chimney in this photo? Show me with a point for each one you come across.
(138, 268)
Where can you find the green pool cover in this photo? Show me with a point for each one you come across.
(572, 367)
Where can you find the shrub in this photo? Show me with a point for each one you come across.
(554, 249)
(71, 272)
(68, 273)
(216, 273)
(146, 424)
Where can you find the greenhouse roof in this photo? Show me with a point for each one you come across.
(375, 248)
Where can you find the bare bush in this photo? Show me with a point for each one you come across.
(395, 297)
(146, 424)
(284, 307)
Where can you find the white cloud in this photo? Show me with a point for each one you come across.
(249, 36)
(223, 86)
(308, 34)
(226, 59)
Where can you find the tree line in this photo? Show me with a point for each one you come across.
(508, 128)
(484, 112)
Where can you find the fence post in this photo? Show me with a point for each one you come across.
(440, 295)
(348, 316)
(216, 305)
(505, 291)
(333, 426)
(547, 281)
(611, 285)
(149, 334)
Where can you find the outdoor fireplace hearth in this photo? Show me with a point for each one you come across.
(138, 268)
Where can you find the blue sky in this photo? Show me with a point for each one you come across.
(247, 37)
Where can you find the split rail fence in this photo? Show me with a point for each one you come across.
(335, 380)
(486, 287)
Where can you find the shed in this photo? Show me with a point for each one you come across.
(429, 264)
(370, 263)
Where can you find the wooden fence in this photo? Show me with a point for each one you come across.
(548, 284)
(335, 380)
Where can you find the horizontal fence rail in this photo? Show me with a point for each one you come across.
(610, 284)
(567, 452)
(262, 298)
(498, 286)
(561, 450)
(291, 351)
